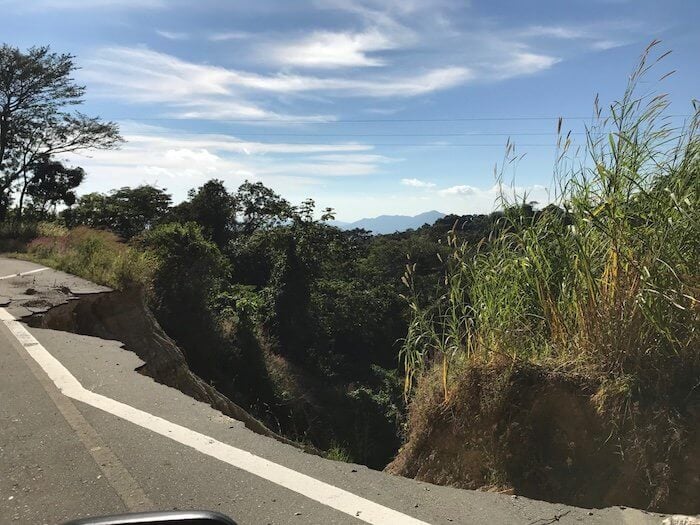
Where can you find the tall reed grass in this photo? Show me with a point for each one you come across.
(605, 281)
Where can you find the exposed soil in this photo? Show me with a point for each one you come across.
(530, 431)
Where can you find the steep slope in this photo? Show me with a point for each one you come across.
(537, 432)
(124, 316)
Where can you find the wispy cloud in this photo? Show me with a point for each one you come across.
(191, 90)
(564, 32)
(523, 63)
(172, 35)
(159, 138)
(355, 157)
(395, 49)
(417, 183)
(183, 89)
(325, 49)
(179, 160)
(595, 37)
(604, 45)
(459, 190)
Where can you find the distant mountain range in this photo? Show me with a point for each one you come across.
(391, 223)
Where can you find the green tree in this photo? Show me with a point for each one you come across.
(91, 210)
(135, 210)
(36, 93)
(126, 211)
(213, 208)
(52, 183)
(261, 207)
(288, 302)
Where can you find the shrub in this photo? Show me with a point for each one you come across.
(18, 231)
(187, 279)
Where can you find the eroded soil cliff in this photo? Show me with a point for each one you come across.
(540, 433)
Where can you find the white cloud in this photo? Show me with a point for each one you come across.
(188, 90)
(191, 90)
(161, 138)
(354, 157)
(416, 183)
(459, 190)
(172, 35)
(228, 107)
(427, 82)
(604, 45)
(485, 198)
(144, 76)
(594, 36)
(403, 7)
(523, 63)
(317, 169)
(180, 161)
(325, 49)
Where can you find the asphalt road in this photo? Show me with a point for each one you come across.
(83, 434)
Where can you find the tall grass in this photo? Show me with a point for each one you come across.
(93, 254)
(606, 282)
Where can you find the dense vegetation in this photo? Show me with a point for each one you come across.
(296, 320)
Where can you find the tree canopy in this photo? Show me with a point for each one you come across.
(52, 183)
(126, 211)
(37, 94)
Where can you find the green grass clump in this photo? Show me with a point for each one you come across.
(606, 282)
(93, 254)
(338, 453)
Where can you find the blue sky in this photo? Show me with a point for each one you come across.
(367, 106)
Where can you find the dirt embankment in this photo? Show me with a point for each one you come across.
(124, 316)
(537, 433)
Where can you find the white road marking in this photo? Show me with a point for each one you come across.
(116, 475)
(22, 274)
(326, 494)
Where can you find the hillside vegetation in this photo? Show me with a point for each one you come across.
(563, 357)
(295, 320)
(552, 352)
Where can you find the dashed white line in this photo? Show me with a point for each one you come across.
(324, 493)
(22, 274)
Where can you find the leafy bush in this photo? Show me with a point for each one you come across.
(188, 275)
(189, 268)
